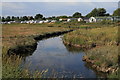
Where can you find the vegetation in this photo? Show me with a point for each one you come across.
(103, 43)
(11, 68)
(77, 15)
(116, 12)
(38, 16)
(97, 12)
(15, 35)
(92, 37)
(104, 56)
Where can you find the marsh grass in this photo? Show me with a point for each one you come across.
(14, 35)
(105, 56)
(97, 36)
(11, 68)
(103, 42)
(23, 34)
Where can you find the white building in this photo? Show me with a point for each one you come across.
(53, 21)
(98, 19)
(68, 20)
(92, 19)
(41, 22)
(60, 19)
(80, 19)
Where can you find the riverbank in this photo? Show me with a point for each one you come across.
(101, 46)
(22, 39)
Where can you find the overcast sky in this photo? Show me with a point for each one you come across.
(54, 8)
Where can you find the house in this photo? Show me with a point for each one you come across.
(68, 20)
(53, 21)
(86, 19)
(92, 19)
(41, 22)
(80, 19)
(116, 18)
(46, 21)
(63, 19)
(98, 19)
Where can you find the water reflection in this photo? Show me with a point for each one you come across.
(73, 49)
(60, 60)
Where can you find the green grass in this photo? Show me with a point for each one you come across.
(115, 75)
(11, 68)
(20, 35)
(88, 37)
(106, 56)
(105, 38)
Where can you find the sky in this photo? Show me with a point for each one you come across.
(53, 8)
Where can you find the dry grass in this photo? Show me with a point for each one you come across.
(104, 56)
(98, 36)
(105, 53)
(22, 34)
(11, 68)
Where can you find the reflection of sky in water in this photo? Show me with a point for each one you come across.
(51, 54)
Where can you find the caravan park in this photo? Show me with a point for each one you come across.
(64, 46)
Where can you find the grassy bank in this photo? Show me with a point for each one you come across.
(18, 36)
(88, 38)
(11, 69)
(104, 58)
(102, 47)
(23, 34)
(89, 35)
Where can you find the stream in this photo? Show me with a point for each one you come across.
(60, 60)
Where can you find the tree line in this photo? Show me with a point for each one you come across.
(96, 12)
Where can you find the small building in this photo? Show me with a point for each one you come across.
(80, 19)
(68, 20)
(63, 19)
(116, 18)
(98, 19)
(86, 19)
(92, 19)
(53, 21)
(46, 21)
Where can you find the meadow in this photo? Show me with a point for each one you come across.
(17, 35)
(101, 46)
(92, 37)
(99, 39)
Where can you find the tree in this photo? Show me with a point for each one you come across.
(25, 18)
(97, 12)
(62, 16)
(116, 12)
(17, 19)
(77, 15)
(3, 19)
(101, 12)
(38, 16)
(13, 18)
(93, 13)
(30, 18)
(8, 18)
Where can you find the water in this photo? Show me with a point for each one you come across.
(60, 60)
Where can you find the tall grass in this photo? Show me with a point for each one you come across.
(11, 68)
(104, 43)
(20, 35)
(96, 36)
(104, 56)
